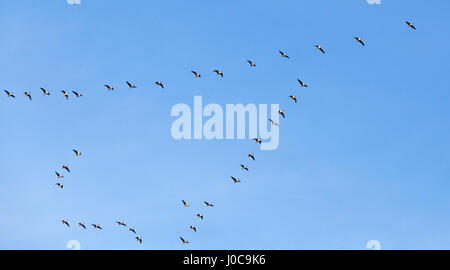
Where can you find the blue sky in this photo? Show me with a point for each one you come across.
(364, 154)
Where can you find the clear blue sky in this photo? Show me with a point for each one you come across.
(364, 155)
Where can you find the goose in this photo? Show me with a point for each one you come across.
(109, 87)
(139, 239)
(46, 93)
(358, 39)
(160, 84)
(64, 221)
(76, 152)
(257, 140)
(65, 94)
(82, 225)
(9, 94)
(96, 226)
(200, 216)
(59, 175)
(131, 85)
(185, 203)
(283, 54)
(301, 83)
(236, 180)
(251, 156)
(27, 94)
(60, 185)
(76, 94)
(193, 228)
(121, 223)
(282, 113)
(244, 167)
(184, 241)
(220, 73)
(251, 63)
(208, 204)
(274, 123)
(410, 25)
(294, 98)
(65, 167)
(320, 48)
(197, 75)
(132, 230)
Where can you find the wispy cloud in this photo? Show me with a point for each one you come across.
(371, 2)
(73, 2)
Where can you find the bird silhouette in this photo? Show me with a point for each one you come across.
(60, 185)
(294, 98)
(82, 225)
(193, 228)
(208, 204)
(320, 48)
(76, 152)
(27, 94)
(64, 221)
(9, 94)
(65, 94)
(197, 75)
(46, 93)
(65, 167)
(251, 156)
(110, 88)
(139, 239)
(410, 25)
(251, 63)
(131, 85)
(76, 94)
(302, 84)
(283, 54)
(160, 84)
(358, 39)
(184, 241)
(185, 203)
(236, 180)
(220, 73)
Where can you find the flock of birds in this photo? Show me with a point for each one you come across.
(159, 83)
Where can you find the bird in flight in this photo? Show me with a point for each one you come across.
(185, 203)
(121, 223)
(320, 48)
(64, 221)
(251, 156)
(208, 204)
(358, 39)
(65, 94)
(236, 180)
(301, 83)
(132, 230)
(131, 85)
(139, 239)
(76, 94)
(184, 241)
(96, 226)
(251, 63)
(410, 25)
(59, 175)
(244, 167)
(110, 88)
(193, 228)
(294, 98)
(65, 167)
(274, 123)
(218, 72)
(76, 152)
(200, 216)
(160, 84)
(9, 94)
(282, 113)
(60, 185)
(197, 75)
(82, 225)
(283, 54)
(28, 95)
(46, 93)
(257, 140)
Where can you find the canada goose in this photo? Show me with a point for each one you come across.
(160, 84)
(64, 221)
(60, 185)
(28, 95)
(410, 25)
(76, 94)
(358, 39)
(59, 175)
(302, 84)
(282, 113)
(320, 48)
(236, 180)
(96, 226)
(131, 85)
(208, 204)
(257, 140)
(200, 216)
(251, 63)
(193, 228)
(82, 225)
(274, 123)
(109, 87)
(76, 152)
(294, 98)
(121, 223)
(197, 75)
(283, 54)
(9, 94)
(218, 72)
(65, 167)
(184, 241)
(46, 93)
(244, 167)
(185, 203)
(65, 94)
(139, 239)
(132, 230)
(251, 156)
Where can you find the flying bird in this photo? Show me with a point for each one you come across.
(65, 94)
(184, 241)
(193, 228)
(139, 239)
(76, 152)
(60, 185)
(28, 95)
(46, 93)
(131, 85)
(208, 204)
(294, 98)
(200, 216)
(121, 223)
(132, 230)
(65, 167)
(218, 72)
(274, 123)
(96, 226)
(160, 84)
(251, 156)
(64, 221)
(244, 167)
(236, 180)
(358, 39)
(410, 25)
(320, 48)
(185, 203)
(76, 94)
(197, 75)
(251, 63)
(257, 140)
(59, 175)
(282, 113)
(283, 54)
(82, 225)
(109, 87)
(9, 94)
(301, 83)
